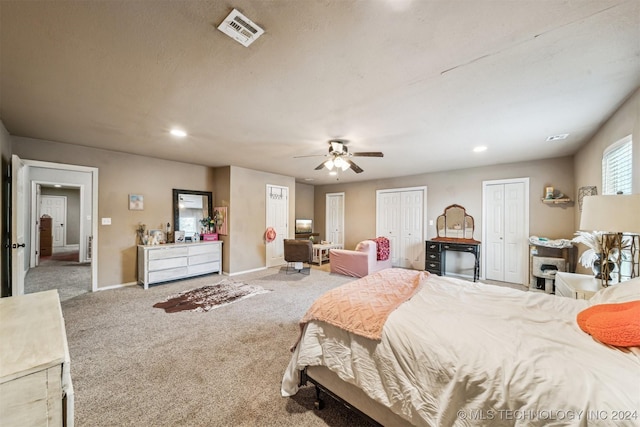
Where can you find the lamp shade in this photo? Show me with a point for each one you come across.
(614, 214)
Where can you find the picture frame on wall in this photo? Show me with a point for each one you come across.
(136, 202)
(220, 214)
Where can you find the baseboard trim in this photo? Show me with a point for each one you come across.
(106, 288)
(246, 271)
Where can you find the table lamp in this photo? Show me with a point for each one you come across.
(614, 215)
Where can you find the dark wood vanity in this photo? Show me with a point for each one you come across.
(455, 233)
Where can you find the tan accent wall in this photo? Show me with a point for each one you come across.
(588, 160)
(248, 208)
(222, 197)
(120, 175)
(463, 187)
(304, 201)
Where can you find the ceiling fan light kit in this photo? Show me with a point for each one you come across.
(339, 153)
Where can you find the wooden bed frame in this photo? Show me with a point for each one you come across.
(349, 395)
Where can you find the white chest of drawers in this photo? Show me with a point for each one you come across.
(162, 263)
(35, 378)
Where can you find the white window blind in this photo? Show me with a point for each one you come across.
(617, 168)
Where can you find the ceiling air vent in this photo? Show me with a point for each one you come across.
(240, 28)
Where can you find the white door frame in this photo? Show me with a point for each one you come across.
(93, 214)
(525, 228)
(340, 220)
(18, 215)
(35, 219)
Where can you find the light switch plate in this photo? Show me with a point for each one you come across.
(106, 221)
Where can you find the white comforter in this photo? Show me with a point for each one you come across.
(461, 353)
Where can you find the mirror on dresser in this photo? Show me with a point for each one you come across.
(189, 208)
(454, 223)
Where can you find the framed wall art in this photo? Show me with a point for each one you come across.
(136, 202)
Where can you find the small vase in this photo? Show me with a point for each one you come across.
(597, 268)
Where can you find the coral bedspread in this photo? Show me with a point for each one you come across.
(362, 306)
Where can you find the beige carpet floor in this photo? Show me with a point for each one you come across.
(135, 365)
(70, 278)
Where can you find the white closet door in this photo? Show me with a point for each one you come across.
(506, 231)
(494, 198)
(389, 216)
(334, 227)
(411, 226)
(513, 232)
(400, 218)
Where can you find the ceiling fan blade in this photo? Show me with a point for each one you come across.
(354, 167)
(368, 154)
(310, 155)
(320, 166)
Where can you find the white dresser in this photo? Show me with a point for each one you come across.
(35, 380)
(162, 263)
(577, 286)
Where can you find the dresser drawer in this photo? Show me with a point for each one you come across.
(164, 275)
(459, 247)
(204, 268)
(203, 248)
(433, 247)
(432, 257)
(203, 258)
(166, 263)
(169, 252)
(433, 267)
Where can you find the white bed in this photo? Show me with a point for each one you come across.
(462, 353)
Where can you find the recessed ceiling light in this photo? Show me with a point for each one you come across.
(57, 185)
(557, 137)
(178, 132)
(480, 149)
(308, 179)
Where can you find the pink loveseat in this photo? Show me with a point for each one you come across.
(359, 262)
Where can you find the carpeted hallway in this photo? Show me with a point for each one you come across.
(62, 272)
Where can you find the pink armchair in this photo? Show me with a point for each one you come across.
(359, 262)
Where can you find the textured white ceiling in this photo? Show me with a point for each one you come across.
(422, 81)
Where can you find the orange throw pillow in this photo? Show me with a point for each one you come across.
(613, 324)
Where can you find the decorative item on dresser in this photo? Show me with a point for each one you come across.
(163, 263)
(455, 233)
(35, 377)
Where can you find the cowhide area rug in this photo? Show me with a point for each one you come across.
(210, 297)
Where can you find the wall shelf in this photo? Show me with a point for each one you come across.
(562, 201)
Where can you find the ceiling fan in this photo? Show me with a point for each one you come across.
(339, 157)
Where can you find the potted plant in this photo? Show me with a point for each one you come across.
(208, 228)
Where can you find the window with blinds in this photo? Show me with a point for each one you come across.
(617, 168)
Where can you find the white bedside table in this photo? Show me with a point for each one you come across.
(577, 286)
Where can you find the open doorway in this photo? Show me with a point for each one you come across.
(72, 268)
(55, 256)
